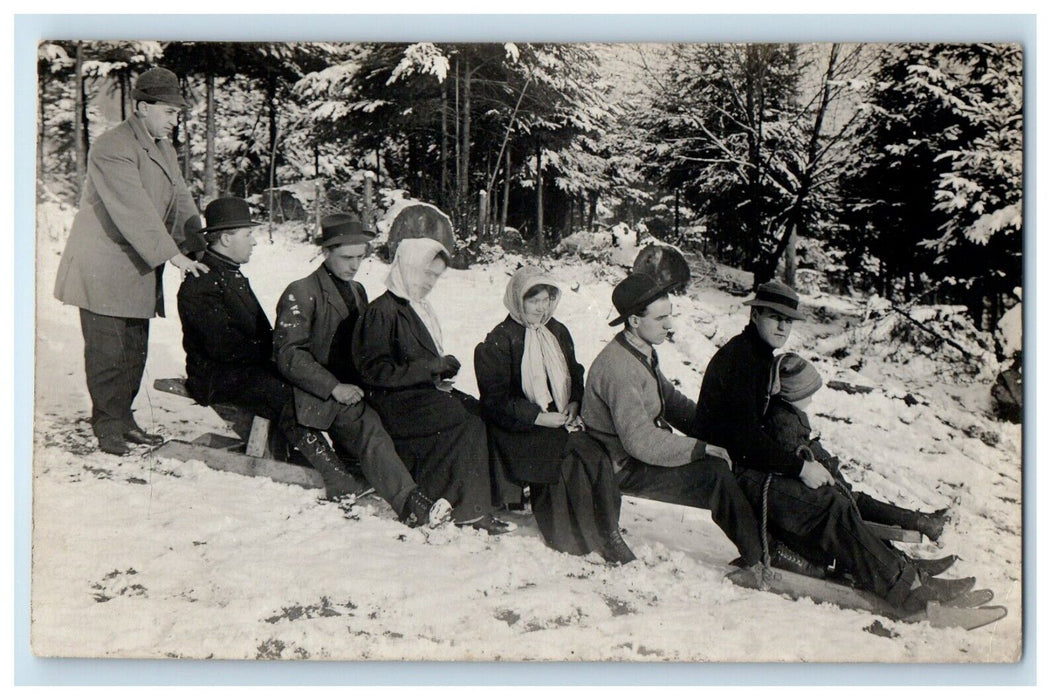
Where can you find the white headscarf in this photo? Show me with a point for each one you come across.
(542, 360)
(406, 278)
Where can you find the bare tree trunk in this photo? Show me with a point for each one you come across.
(80, 143)
(676, 216)
(209, 173)
(483, 214)
(124, 94)
(593, 200)
(367, 210)
(790, 268)
(458, 144)
(40, 130)
(506, 190)
(443, 199)
(187, 145)
(539, 203)
(465, 191)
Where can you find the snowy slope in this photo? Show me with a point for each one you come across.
(139, 557)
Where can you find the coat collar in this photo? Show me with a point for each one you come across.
(418, 328)
(139, 129)
(331, 293)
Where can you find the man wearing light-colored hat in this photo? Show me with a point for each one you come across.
(802, 507)
(135, 210)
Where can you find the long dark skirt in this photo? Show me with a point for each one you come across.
(574, 494)
(452, 464)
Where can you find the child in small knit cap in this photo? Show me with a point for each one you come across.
(794, 382)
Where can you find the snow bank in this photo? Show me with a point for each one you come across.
(138, 557)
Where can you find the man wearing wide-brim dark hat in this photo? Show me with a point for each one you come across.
(802, 507)
(312, 344)
(136, 214)
(632, 409)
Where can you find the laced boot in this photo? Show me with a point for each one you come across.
(337, 482)
(615, 550)
(929, 524)
(782, 557)
(419, 510)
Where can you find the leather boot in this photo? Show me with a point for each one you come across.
(944, 589)
(337, 481)
(419, 510)
(933, 567)
(929, 524)
(782, 557)
(615, 550)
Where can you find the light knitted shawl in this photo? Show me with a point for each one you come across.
(407, 278)
(542, 359)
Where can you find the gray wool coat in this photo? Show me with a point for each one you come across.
(134, 211)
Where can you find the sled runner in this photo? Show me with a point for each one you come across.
(249, 454)
(961, 612)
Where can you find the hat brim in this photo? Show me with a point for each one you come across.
(345, 239)
(228, 226)
(644, 301)
(784, 310)
(175, 101)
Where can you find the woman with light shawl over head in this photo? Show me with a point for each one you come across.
(398, 348)
(531, 387)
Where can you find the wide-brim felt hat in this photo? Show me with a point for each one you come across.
(159, 85)
(225, 214)
(779, 297)
(342, 229)
(634, 293)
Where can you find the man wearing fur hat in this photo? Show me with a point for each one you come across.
(312, 344)
(803, 509)
(135, 208)
(631, 408)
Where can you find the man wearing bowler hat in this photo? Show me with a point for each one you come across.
(312, 344)
(631, 408)
(803, 509)
(135, 209)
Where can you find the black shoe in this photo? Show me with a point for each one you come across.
(932, 525)
(138, 436)
(933, 567)
(491, 524)
(944, 589)
(419, 510)
(113, 445)
(615, 550)
(782, 557)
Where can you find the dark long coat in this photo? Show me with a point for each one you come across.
(530, 452)
(308, 315)
(133, 215)
(225, 328)
(392, 350)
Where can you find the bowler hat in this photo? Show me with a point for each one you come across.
(779, 297)
(633, 294)
(342, 229)
(226, 213)
(159, 85)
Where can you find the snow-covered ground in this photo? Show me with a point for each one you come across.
(145, 557)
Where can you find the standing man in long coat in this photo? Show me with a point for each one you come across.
(134, 211)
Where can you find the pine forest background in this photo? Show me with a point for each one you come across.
(887, 169)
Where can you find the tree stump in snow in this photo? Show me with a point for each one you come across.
(666, 265)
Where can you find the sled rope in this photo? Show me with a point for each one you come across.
(764, 527)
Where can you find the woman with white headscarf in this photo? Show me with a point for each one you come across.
(398, 348)
(531, 387)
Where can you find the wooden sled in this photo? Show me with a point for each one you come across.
(824, 591)
(249, 454)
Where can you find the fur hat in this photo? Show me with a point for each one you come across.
(797, 379)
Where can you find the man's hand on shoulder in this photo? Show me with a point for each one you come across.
(347, 393)
(186, 265)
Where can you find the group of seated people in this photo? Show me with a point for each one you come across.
(375, 377)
